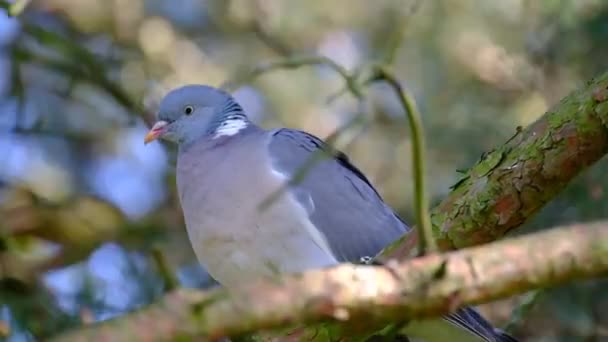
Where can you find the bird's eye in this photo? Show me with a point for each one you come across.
(188, 110)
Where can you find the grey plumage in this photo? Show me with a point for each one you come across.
(344, 200)
(227, 167)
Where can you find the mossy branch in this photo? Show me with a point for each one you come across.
(513, 182)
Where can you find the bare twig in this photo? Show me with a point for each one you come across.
(279, 46)
(77, 61)
(297, 62)
(163, 268)
(395, 39)
(426, 240)
(315, 157)
(274, 44)
(526, 304)
(81, 64)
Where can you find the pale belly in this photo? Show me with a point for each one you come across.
(236, 246)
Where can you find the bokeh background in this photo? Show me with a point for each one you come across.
(90, 227)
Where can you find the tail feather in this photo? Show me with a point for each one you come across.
(469, 319)
(502, 336)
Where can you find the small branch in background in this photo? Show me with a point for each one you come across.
(164, 270)
(388, 54)
(274, 43)
(18, 91)
(521, 311)
(396, 38)
(314, 158)
(365, 297)
(77, 63)
(426, 241)
(81, 64)
(77, 137)
(297, 62)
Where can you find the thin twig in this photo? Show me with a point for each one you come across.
(297, 62)
(164, 270)
(426, 242)
(274, 43)
(395, 39)
(18, 91)
(93, 73)
(526, 304)
(320, 154)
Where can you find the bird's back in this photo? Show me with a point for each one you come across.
(346, 208)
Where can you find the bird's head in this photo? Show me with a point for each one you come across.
(190, 112)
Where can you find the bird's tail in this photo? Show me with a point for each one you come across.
(502, 336)
(467, 318)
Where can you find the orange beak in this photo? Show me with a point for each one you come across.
(156, 131)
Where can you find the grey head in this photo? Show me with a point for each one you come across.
(194, 111)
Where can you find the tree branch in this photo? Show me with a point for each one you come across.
(366, 295)
(510, 184)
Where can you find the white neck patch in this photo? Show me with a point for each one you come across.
(230, 127)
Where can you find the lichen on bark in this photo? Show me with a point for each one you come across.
(511, 183)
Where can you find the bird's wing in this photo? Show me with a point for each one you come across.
(341, 202)
(344, 206)
(469, 319)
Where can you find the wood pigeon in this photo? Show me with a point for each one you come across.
(227, 167)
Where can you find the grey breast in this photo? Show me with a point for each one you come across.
(222, 186)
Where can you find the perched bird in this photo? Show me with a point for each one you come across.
(227, 167)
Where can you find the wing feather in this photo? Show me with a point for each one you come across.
(346, 208)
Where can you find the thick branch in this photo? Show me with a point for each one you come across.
(361, 295)
(510, 184)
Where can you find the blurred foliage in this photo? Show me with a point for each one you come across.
(89, 222)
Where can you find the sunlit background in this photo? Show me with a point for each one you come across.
(87, 211)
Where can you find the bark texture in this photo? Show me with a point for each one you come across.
(359, 296)
(512, 183)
